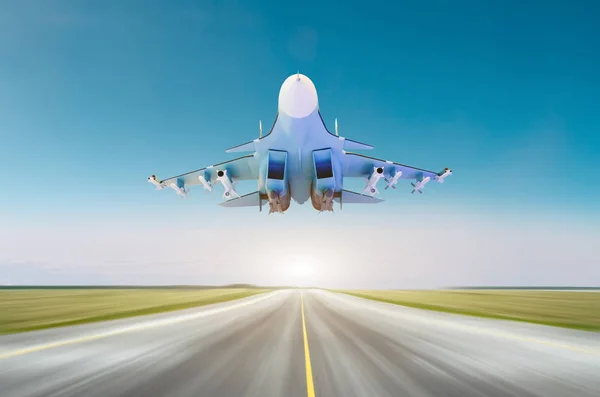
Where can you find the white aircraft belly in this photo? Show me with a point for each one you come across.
(299, 137)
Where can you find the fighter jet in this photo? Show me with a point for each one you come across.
(298, 159)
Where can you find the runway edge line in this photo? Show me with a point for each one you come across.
(310, 387)
(205, 311)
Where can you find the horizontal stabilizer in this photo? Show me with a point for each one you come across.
(354, 145)
(348, 196)
(247, 200)
(244, 147)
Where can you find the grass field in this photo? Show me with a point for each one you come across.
(579, 310)
(27, 310)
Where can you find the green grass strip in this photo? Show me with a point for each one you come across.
(576, 310)
(29, 310)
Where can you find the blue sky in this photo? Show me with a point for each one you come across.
(94, 98)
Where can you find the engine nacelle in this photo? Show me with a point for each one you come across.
(274, 181)
(277, 202)
(324, 184)
(322, 201)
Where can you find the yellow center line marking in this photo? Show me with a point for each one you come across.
(310, 387)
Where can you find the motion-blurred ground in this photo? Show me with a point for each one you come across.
(31, 309)
(579, 310)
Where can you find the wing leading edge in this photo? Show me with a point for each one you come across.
(227, 172)
(360, 166)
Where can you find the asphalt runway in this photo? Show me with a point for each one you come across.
(309, 343)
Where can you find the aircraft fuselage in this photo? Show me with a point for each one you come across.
(299, 159)
(299, 130)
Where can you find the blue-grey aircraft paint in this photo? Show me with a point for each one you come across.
(299, 159)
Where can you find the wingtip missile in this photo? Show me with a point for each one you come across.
(443, 174)
(152, 180)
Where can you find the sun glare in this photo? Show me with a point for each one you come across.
(301, 270)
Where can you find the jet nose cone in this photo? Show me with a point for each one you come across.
(298, 96)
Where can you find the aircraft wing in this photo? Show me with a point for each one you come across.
(240, 169)
(359, 166)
